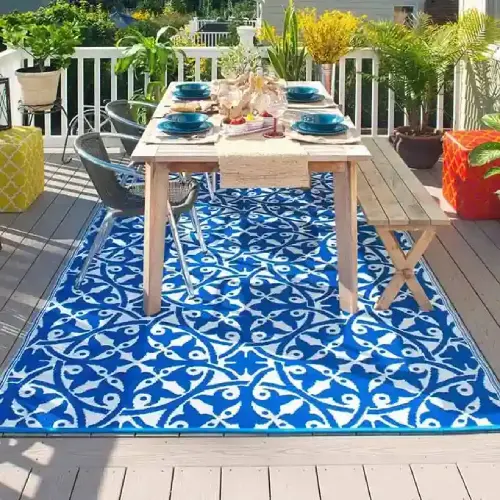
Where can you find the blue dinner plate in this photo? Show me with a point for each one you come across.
(305, 100)
(183, 97)
(320, 127)
(298, 127)
(171, 129)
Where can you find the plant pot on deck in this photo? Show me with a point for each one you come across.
(418, 151)
(38, 88)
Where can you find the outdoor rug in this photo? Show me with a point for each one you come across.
(262, 348)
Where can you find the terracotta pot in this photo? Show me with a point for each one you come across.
(418, 151)
(38, 89)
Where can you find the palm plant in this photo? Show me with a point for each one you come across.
(285, 54)
(489, 151)
(150, 55)
(415, 58)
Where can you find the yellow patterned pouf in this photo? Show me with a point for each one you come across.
(21, 168)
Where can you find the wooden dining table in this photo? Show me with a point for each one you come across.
(163, 157)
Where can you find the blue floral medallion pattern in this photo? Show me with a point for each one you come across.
(263, 347)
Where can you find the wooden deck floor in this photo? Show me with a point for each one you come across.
(36, 244)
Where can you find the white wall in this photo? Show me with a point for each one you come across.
(374, 9)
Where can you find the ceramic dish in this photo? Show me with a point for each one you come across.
(183, 97)
(187, 121)
(316, 127)
(321, 120)
(192, 90)
(169, 128)
(301, 92)
(298, 127)
(313, 98)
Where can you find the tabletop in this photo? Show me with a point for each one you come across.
(201, 153)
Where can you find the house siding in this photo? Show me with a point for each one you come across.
(7, 6)
(374, 9)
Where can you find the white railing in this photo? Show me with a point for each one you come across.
(209, 38)
(89, 89)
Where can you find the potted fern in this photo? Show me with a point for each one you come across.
(39, 83)
(414, 61)
(488, 152)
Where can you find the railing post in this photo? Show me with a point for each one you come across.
(246, 34)
(12, 61)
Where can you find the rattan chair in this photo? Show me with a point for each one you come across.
(130, 117)
(128, 200)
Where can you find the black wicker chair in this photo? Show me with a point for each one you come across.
(128, 200)
(130, 117)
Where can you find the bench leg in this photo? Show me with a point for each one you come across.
(405, 268)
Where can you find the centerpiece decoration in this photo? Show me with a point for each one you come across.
(244, 102)
(328, 37)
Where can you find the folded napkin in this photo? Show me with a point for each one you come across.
(256, 162)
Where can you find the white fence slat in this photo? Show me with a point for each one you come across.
(342, 84)
(309, 68)
(457, 95)
(375, 85)
(197, 69)
(130, 83)
(47, 119)
(114, 80)
(358, 102)
(214, 68)
(334, 77)
(440, 110)
(80, 98)
(97, 94)
(390, 113)
(180, 67)
(64, 101)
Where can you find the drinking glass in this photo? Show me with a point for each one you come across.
(277, 106)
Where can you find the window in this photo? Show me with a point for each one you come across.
(403, 14)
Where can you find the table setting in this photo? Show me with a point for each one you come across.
(250, 105)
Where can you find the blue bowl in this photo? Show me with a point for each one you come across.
(302, 92)
(322, 119)
(171, 128)
(193, 89)
(186, 121)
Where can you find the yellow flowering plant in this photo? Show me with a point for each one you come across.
(329, 36)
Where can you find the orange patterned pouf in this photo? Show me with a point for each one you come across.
(464, 187)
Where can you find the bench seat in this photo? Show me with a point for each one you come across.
(393, 199)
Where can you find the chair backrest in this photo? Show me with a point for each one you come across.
(121, 114)
(94, 157)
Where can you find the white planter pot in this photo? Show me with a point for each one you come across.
(39, 89)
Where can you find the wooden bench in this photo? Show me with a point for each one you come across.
(393, 199)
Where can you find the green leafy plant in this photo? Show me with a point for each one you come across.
(57, 42)
(285, 53)
(489, 151)
(239, 59)
(416, 58)
(148, 55)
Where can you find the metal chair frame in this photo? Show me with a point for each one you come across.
(173, 212)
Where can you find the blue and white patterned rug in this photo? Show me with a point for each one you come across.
(263, 347)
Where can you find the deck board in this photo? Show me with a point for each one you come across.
(37, 244)
(482, 480)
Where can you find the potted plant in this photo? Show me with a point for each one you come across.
(39, 83)
(328, 37)
(415, 59)
(150, 55)
(489, 151)
(285, 53)
(238, 60)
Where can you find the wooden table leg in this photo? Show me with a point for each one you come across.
(346, 222)
(155, 219)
